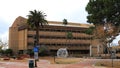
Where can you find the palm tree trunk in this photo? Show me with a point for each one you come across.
(37, 42)
(37, 36)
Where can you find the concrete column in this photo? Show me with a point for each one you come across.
(98, 49)
(90, 50)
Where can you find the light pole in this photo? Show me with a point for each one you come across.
(36, 50)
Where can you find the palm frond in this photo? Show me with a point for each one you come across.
(36, 18)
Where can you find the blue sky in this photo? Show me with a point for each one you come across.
(56, 10)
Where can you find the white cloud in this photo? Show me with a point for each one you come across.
(56, 10)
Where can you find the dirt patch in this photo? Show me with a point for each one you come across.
(14, 60)
(52, 60)
(55, 60)
(108, 64)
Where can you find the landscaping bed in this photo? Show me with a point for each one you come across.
(56, 60)
(108, 64)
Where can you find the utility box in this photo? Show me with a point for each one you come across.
(31, 63)
(113, 54)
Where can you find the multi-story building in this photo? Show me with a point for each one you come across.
(53, 36)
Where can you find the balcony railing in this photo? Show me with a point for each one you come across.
(69, 47)
(72, 41)
(59, 34)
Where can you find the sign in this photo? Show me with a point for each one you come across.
(35, 55)
(36, 49)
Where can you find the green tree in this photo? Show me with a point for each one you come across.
(8, 52)
(0, 47)
(90, 30)
(1, 51)
(103, 11)
(36, 19)
(3, 45)
(69, 35)
(65, 22)
(106, 13)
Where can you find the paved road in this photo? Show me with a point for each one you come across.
(87, 63)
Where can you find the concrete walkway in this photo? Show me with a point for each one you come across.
(87, 63)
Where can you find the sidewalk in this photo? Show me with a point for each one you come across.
(46, 64)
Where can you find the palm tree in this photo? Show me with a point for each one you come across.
(36, 19)
(69, 36)
(65, 22)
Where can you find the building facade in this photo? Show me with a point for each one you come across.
(53, 36)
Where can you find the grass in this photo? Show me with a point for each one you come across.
(108, 64)
(67, 60)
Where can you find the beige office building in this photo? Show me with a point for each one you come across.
(53, 36)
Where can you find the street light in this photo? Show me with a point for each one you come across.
(36, 50)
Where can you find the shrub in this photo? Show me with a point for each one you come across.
(8, 52)
(43, 51)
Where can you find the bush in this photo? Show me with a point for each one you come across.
(8, 52)
(1, 52)
(30, 52)
(43, 51)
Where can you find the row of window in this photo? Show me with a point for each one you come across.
(61, 30)
(54, 37)
(62, 44)
(75, 51)
(57, 37)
